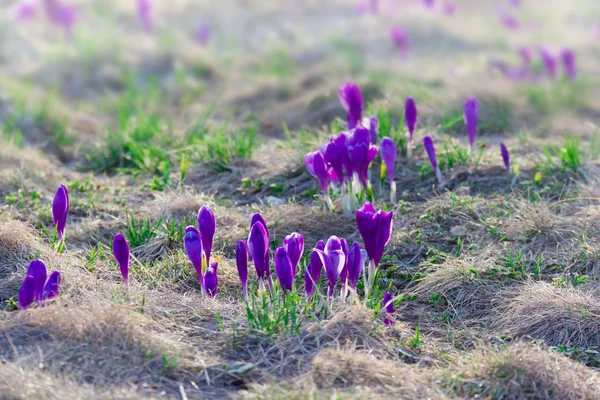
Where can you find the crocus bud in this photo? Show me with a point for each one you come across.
(259, 218)
(210, 279)
(52, 286)
(258, 247)
(398, 37)
(60, 209)
(202, 34)
(193, 248)
(313, 271)
(352, 101)
(505, 156)
(410, 116)
(375, 228)
(334, 159)
(241, 261)
(145, 13)
(294, 246)
(388, 306)
(430, 149)
(342, 141)
(568, 60)
(61, 14)
(121, 254)
(23, 10)
(333, 259)
(37, 270)
(388, 154)
(470, 116)
(549, 61)
(356, 262)
(27, 292)
(316, 166)
(207, 225)
(283, 269)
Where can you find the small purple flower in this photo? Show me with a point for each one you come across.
(121, 254)
(317, 167)
(410, 116)
(333, 260)
(52, 286)
(202, 34)
(449, 7)
(352, 101)
(356, 262)
(27, 292)
(470, 116)
(334, 159)
(258, 247)
(344, 272)
(361, 153)
(144, 8)
(294, 246)
(210, 279)
(388, 306)
(399, 39)
(259, 218)
(375, 228)
(61, 14)
(193, 248)
(568, 60)
(430, 149)
(283, 269)
(241, 261)
(549, 61)
(23, 10)
(505, 156)
(37, 269)
(372, 124)
(313, 270)
(342, 141)
(207, 225)
(388, 154)
(60, 210)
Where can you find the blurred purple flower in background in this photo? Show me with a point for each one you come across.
(144, 9)
(430, 149)
(27, 292)
(210, 279)
(313, 270)
(60, 210)
(399, 39)
(63, 15)
(352, 101)
(568, 60)
(193, 248)
(372, 124)
(549, 60)
(258, 247)
(207, 225)
(122, 254)
(202, 34)
(36, 287)
(294, 246)
(470, 115)
(505, 156)
(410, 117)
(317, 167)
(429, 3)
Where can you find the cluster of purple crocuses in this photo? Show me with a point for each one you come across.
(37, 286)
(340, 261)
(198, 242)
(551, 59)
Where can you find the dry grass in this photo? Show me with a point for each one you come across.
(559, 316)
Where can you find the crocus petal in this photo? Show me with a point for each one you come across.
(27, 292)
(210, 280)
(60, 209)
(410, 116)
(505, 156)
(258, 247)
(352, 101)
(568, 60)
(344, 271)
(372, 124)
(283, 269)
(145, 14)
(37, 269)
(321, 171)
(313, 271)
(52, 285)
(549, 61)
(294, 245)
(470, 116)
(430, 149)
(360, 135)
(384, 233)
(355, 264)
(202, 34)
(525, 55)
(388, 306)
(334, 158)
(388, 154)
(121, 254)
(193, 248)
(207, 225)
(23, 10)
(241, 261)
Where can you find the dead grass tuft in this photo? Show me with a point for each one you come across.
(557, 315)
(521, 371)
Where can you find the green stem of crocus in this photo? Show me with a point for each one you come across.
(393, 192)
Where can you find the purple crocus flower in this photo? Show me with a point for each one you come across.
(375, 228)
(470, 116)
(568, 60)
(144, 8)
(283, 269)
(202, 34)
(241, 261)
(410, 116)
(356, 262)
(193, 248)
(27, 292)
(23, 10)
(505, 156)
(333, 260)
(207, 225)
(37, 269)
(313, 270)
(294, 246)
(344, 272)
(549, 60)
(258, 247)
(429, 3)
(61, 14)
(317, 167)
(372, 124)
(352, 101)
(342, 141)
(399, 39)
(52, 286)
(430, 149)
(334, 158)
(388, 154)
(361, 153)
(210, 279)
(121, 254)
(508, 21)
(60, 210)
(388, 306)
